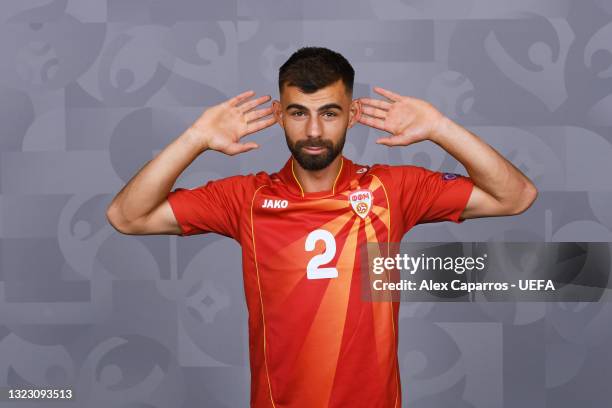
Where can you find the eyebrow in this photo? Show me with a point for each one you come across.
(322, 108)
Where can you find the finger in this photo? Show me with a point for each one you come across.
(237, 148)
(376, 103)
(239, 98)
(258, 125)
(395, 141)
(258, 113)
(388, 141)
(247, 106)
(375, 112)
(373, 122)
(387, 93)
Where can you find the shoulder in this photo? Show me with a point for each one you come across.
(237, 186)
(244, 182)
(408, 172)
(397, 168)
(394, 173)
(247, 179)
(408, 176)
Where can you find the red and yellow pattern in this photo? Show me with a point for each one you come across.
(321, 338)
(314, 342)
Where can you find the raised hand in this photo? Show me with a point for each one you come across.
(408, 120)
(222, 126)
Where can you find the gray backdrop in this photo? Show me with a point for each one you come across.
(92, 89)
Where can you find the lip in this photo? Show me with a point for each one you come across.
(313, 150)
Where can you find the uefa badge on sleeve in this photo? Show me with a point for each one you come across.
(361, 201)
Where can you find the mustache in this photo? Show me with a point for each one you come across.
(314, 143)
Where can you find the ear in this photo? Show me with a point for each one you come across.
(354, 112)
(278, 112)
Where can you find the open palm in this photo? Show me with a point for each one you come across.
(408, 120)
(222, 126)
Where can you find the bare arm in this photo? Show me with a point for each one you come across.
(499, 187)
(141, 207)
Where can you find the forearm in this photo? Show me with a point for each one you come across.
(488, 169)
(151, 184)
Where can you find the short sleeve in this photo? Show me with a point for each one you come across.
(432, 196)
(212, 207)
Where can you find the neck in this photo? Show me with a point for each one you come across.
(314, 181)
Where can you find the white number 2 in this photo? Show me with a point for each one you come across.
(313, 270)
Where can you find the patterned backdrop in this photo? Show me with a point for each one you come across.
(90, 90)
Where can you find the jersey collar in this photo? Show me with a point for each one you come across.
(287, 176)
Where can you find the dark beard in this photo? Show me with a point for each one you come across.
(315, 161)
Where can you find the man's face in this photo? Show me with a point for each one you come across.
(315, 124)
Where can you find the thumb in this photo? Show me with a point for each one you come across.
(401, 140)
(237, 148)
(390, 141)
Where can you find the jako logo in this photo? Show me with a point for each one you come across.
(274, 203)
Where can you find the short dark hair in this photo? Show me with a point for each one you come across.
(313, 68)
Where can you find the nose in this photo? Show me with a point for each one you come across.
(313, 128)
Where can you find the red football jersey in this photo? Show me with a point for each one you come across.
(313, 341)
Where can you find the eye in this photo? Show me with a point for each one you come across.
(297, 113)
(330, 114)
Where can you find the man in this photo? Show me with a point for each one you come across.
(313, 341)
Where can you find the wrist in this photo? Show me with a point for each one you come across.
(441, 129)
(195, 139)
